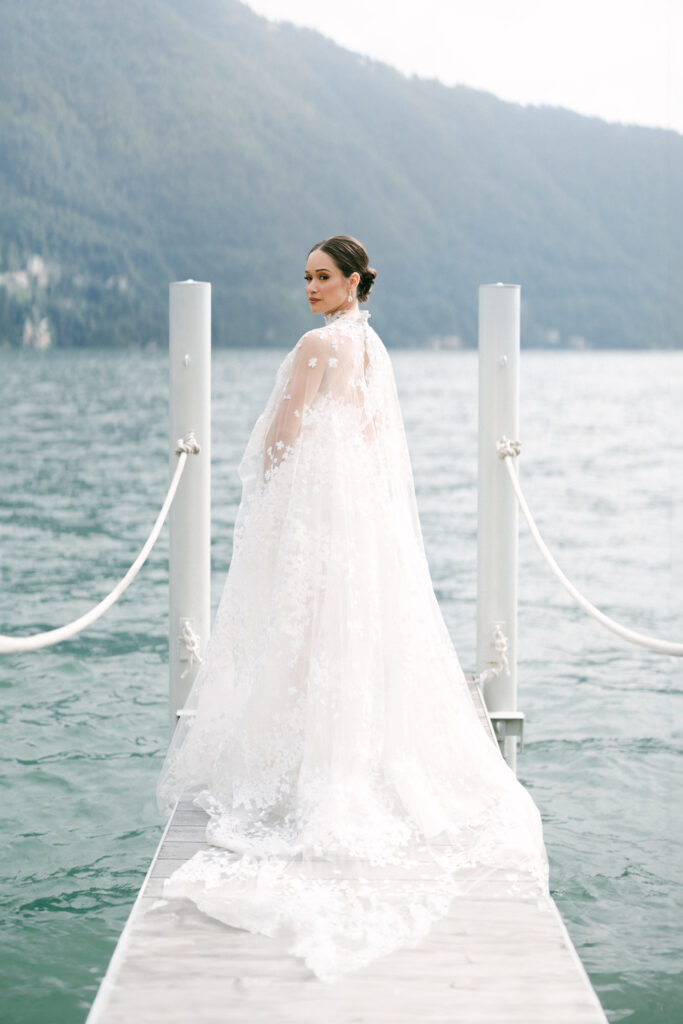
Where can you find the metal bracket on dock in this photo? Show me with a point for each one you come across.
(508, 723)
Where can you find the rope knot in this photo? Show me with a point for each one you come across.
(507, 447)
(500, 663)
(500, 645)
(191, 641)
(188, 444)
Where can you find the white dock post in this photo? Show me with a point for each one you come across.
(497, 531)
(190, 519)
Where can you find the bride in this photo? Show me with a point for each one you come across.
(351, 789)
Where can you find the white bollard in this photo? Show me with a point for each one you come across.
(190, 519)
(497, 532)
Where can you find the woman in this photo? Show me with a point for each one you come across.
(351, 789)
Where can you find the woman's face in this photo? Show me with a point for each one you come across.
(327, 289)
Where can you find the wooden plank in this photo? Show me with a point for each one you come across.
(492, 960)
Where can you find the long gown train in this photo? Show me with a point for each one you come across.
(330, 733)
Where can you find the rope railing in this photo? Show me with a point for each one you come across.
(507, 450)
(20, 644)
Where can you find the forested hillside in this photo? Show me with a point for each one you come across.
(147, 141)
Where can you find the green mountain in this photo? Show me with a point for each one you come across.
(154, 140)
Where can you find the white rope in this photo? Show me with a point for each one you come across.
(11, 645)
(508, 449)
(192, 646)
(500, 644)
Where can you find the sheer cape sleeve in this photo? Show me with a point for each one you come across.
(307, 369)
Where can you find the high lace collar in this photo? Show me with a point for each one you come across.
(353, 315)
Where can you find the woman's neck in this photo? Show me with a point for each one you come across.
(342, 311)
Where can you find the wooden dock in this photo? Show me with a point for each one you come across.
(494, 960)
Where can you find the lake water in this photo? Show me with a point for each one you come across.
(84, 471)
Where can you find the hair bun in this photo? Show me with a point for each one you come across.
(367, 279)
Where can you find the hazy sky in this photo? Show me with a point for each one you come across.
(617, 59)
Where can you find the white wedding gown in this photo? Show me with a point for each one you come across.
(352, 791)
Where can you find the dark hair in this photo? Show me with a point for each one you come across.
(350, 256)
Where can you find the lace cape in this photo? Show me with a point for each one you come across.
(352, 790)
